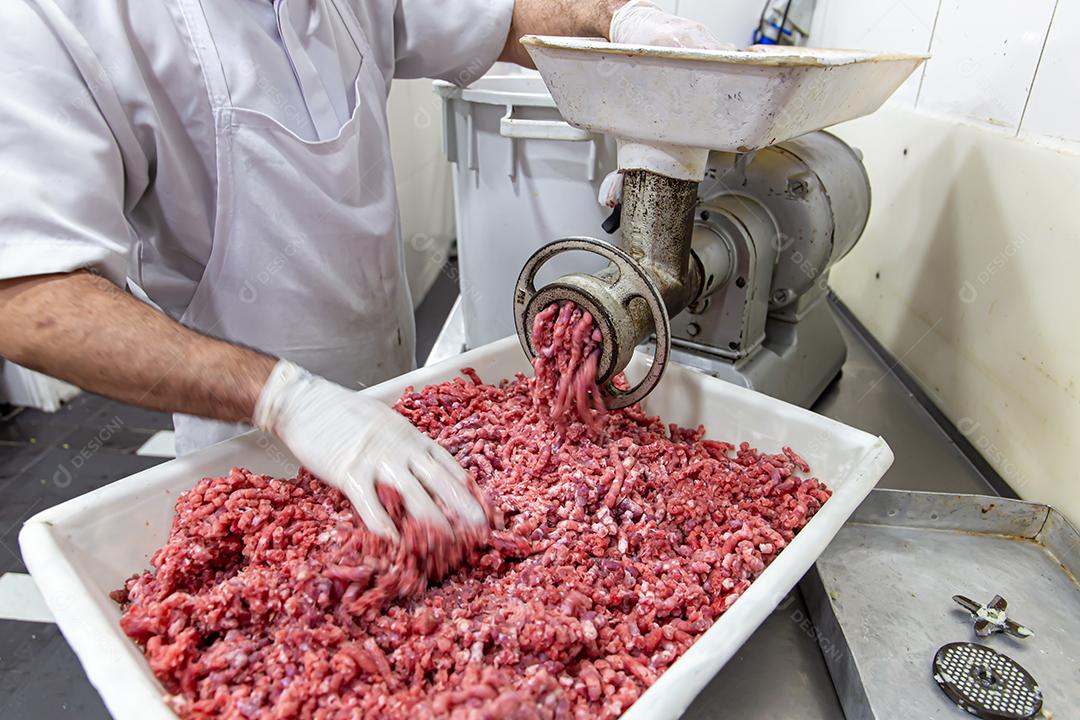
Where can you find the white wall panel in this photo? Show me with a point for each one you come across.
(985, 54)
(817, 27)
(966, 273)
(888, 25)
(1054, 106)
(733, 21)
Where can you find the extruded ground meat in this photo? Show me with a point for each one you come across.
(567, 344)
(619, 541)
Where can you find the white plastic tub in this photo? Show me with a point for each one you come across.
(81, 550)
(522, 178)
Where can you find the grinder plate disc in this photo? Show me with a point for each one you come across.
(986, 683)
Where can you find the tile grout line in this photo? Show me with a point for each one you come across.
(929, 46)
(1038, 64)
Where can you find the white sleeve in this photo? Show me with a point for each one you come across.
(62, 177)
(453, 40)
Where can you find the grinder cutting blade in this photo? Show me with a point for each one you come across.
(991, 618)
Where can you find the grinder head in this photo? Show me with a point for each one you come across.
(623, 300)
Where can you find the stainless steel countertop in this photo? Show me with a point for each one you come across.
(780, 672)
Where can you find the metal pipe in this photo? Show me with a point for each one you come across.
(657, 227)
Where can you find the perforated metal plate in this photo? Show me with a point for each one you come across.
(986, 683)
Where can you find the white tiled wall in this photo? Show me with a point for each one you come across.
(966, 273)
(1012, 65)
(904, 26)
(985, 56)
(733, 21)
(1053, 108)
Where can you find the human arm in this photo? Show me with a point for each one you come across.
(83, 329)
(582, 18)
(66, 189)
(636, 22)
(460, 46)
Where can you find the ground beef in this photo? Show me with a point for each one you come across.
(567, 344)
(618, 542)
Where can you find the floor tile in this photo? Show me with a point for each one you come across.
(110, 435)
(33, 427)
(15, 459)
(59, 475)
(133, 418)
(14, 511)
(41, 678)
(20, 599)
(161, 444)
(62, 474)
(80, 408)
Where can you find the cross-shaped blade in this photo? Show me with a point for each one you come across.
(968, 604)
(991, 618)
(1017, 630)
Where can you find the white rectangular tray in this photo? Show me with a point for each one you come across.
(81, 550)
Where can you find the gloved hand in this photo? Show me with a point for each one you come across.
(611, 190)
(350, 442)
(639, 22)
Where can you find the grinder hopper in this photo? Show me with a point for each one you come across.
(672, 100)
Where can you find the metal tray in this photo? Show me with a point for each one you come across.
(881, 595)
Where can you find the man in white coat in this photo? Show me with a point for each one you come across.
(197, 210)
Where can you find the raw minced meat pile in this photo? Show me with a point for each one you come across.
(618, 541)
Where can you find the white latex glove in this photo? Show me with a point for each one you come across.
(350, 442)
(611, 190)
(639, 22)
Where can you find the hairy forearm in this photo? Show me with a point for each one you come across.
(590, 18)
(80, 328)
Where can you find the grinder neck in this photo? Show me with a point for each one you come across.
(657, 228)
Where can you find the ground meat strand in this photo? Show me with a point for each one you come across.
(567, 344)
(619, 541)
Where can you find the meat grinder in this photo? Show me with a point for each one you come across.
(733, 211)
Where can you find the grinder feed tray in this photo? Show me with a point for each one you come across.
(729, 100)
(881, 598)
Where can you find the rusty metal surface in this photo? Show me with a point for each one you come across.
(1062, 539)
(657, 227)
(952, 512)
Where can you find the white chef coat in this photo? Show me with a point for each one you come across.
(138, 202)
